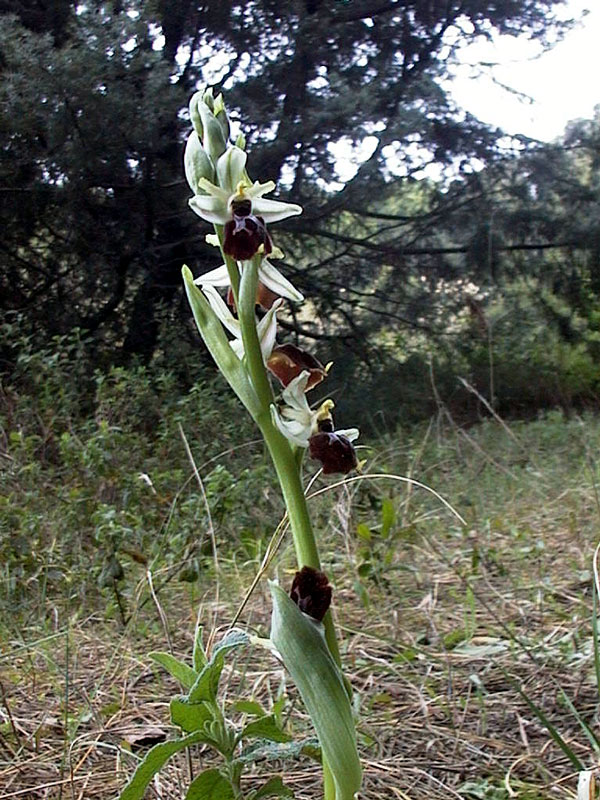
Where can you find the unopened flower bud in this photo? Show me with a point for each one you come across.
(213, 140)
(196, 163)
(240, 141)
(195, 114)
(208, 99)
(221, 115)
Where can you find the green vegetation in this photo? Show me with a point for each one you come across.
(444, 623)
(139, 512)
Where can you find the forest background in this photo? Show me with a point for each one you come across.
(454, 278)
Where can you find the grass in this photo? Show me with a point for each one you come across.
(452, 633)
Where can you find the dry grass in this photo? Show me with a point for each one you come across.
(437, 719)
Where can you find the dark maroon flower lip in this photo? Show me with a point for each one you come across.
(335, 452)
(311, 592)
(244, 233)
(287, 361)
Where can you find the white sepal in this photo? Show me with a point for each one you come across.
(277, 283)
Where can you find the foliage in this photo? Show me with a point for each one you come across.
(96, 482)
(92, 202)
(200, 715)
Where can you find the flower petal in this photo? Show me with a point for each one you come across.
(209, 207)
(258, 189)
(297, 433)
(274, 210)
(216, 277)
(223, 313)
(276, 282)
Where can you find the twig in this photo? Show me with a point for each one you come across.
(161, 613)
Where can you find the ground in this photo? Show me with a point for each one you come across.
(470, 646)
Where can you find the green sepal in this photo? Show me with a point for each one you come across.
(212, 139)
(215, 339)
(301, 643)
(195, 114)
(196, 163)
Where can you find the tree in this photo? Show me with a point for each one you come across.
(92, 201)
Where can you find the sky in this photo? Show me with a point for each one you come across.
(564, 83)
(549, 89)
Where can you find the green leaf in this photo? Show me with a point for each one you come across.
(190, 717)
(153, 762)
(178, 669)
(274, 787)
(216, 340)
(249, 707)
(207, 684)
(210, 785)
(265, 728)
(364, 532)
(388, 517)
(301, 644)
(278, 751)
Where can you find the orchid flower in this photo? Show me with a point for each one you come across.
(287, 361)
(239, 206)
(233, 187)
(296, 420)
(266, 328)
(334, 450)
(268, 276)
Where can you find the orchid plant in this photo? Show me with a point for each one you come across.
(239, 327)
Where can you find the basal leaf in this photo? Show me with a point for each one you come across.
(210, 785)
(249, 707)
(190, 717)
(153, 762)
(178, 669)
(207, 682)
(274, 787)
(279, 751)
(265, 728)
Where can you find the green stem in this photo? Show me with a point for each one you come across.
(287, 465)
